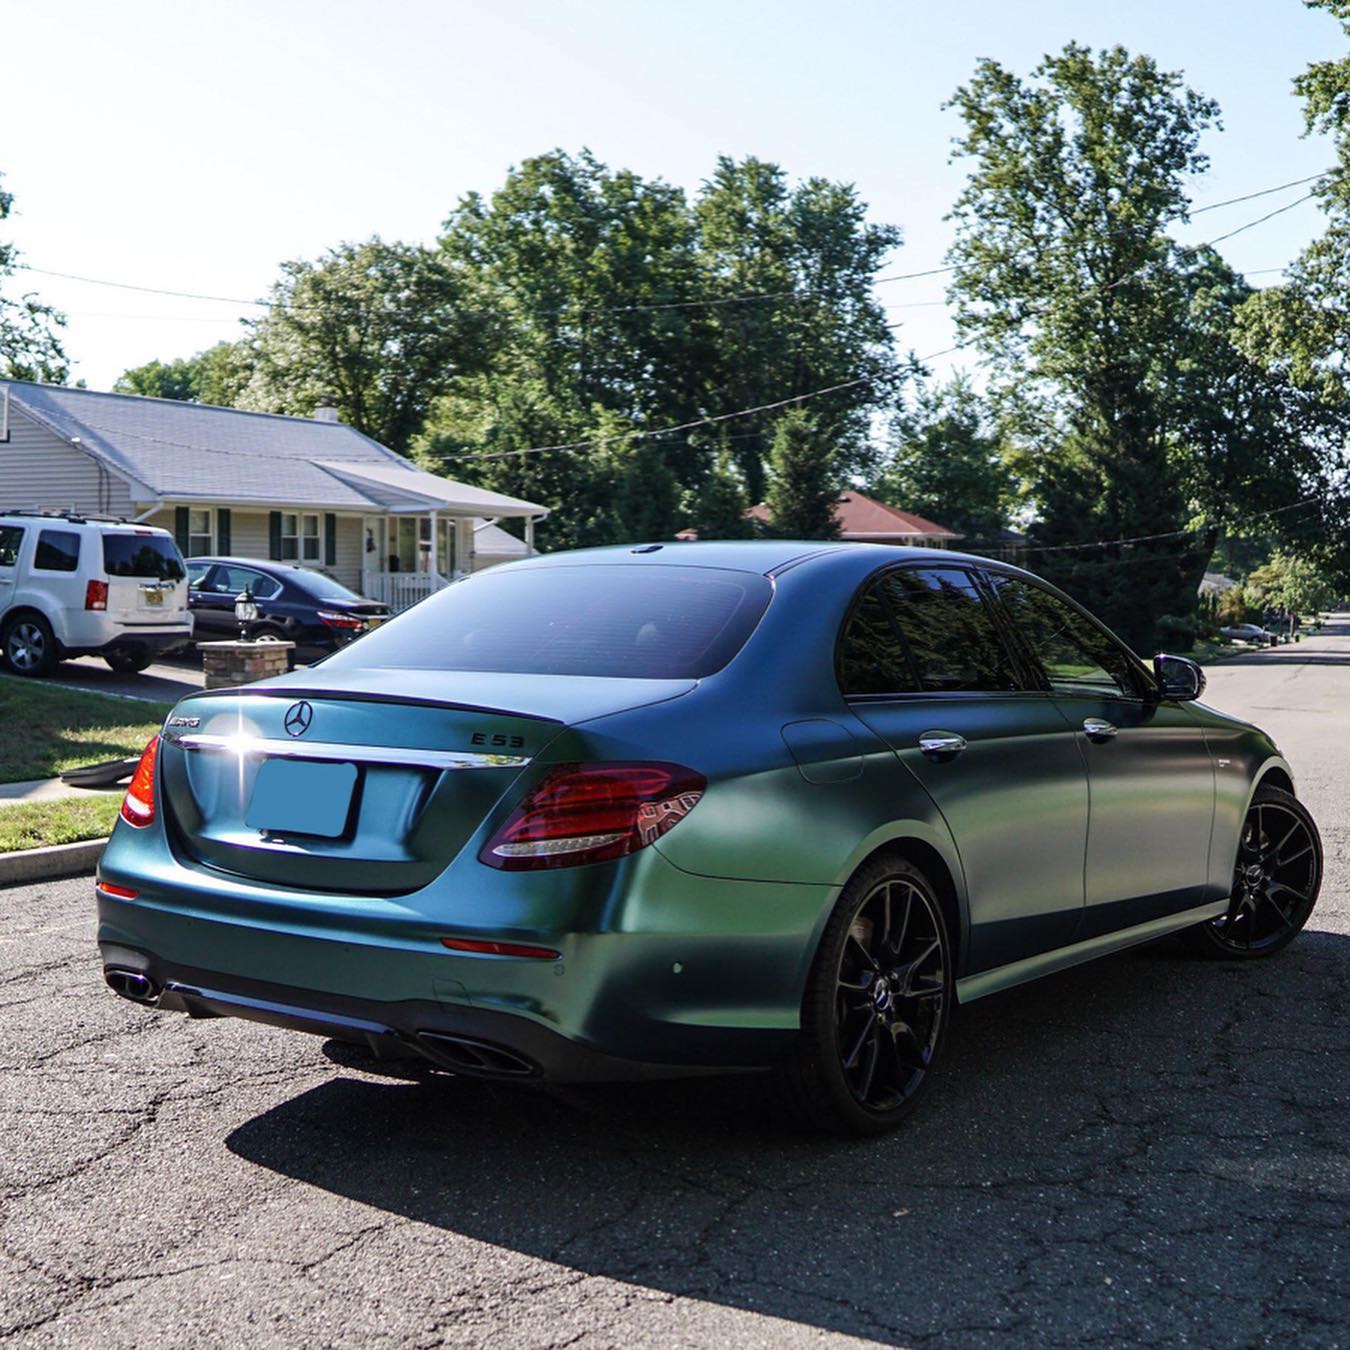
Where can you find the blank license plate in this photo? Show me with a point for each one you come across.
(295, 796)
(154, 597)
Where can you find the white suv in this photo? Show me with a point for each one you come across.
(74, 585)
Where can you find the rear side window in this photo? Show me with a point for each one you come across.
(150, 557)
(643, 622)
(57, 551)
(952, 638)
(11, 536)
(1077, 656)
(871, 659)
(235, 580)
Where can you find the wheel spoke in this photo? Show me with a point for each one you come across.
(861, 952)
(1293, 830)
(1293, 857)
(1292, 890)
(898, 945)
(869, 1073)
(929, 991)
(1285, 920)
(868, 1029)
(934, 946)
(907, 1048)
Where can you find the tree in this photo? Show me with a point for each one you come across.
(380, 329)
(217, 376)
(946, 462)
(804, 480)
(715, 508)
(1291, 583)
(1068, 283)
(607, 294)
(30, 344)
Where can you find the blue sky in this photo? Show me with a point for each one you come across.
(195, 146)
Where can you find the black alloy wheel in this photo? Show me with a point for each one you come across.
(1275, 881)
(877, 1005)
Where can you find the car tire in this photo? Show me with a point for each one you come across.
(878, 1001)
(128, 662)
(30, 646)
(1276, 878)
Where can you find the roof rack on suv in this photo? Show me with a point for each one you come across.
(74, 517)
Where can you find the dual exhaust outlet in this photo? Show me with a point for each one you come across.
(132, 984)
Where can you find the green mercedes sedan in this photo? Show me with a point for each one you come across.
(696, 808)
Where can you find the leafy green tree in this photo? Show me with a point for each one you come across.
(715, 508)
(946, 462)
(1067, 282)
(804, 480)
(598, 285)
(1293, 583)
(30, 343)
(176, 379)
(217, 376)
(812, 255)
(380, 329)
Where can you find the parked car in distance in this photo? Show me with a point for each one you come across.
(294, 603)
(708, 807)
(1250, 632)
(74, 585)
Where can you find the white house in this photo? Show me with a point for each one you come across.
(312, 491)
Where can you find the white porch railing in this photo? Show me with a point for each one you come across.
(401, 590)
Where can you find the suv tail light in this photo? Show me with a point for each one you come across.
(332, 620)
(96, 595)
(585, 813)
(138, 806)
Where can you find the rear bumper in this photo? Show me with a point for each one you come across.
(156, 641)
(477, 1042)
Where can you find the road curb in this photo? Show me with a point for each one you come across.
(46, 864)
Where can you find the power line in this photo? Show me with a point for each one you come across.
(1265, 192)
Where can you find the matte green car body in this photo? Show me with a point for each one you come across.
(690, 954)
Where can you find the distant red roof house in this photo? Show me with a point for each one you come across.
(868, 521)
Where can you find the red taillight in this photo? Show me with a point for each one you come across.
(138, 806)
(119, 892)
(96, 595)
(481, 947)
(327, 616)
(585, 813)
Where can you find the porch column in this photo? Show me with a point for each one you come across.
(529, 532)
(432, 559)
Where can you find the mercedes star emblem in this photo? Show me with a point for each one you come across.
(298, 718)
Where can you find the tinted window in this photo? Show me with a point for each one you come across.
(11, 536)
(142, 555)
(235, 580)
(648, 622)
(321, 587)
(870, 658)
(1078, 657)
(951, 636)
(57, 551)
(197, 574)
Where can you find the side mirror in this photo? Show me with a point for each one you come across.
(1179, 679)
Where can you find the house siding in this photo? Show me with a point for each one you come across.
(41, 472)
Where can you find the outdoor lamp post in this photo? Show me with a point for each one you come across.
(245, 610)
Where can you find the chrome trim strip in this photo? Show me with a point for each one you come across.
(348, 754)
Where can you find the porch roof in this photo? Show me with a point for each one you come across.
(399, 489)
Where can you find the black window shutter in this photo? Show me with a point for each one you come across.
(274, 536)
(329, 539)
(223, 529)
(180, 529)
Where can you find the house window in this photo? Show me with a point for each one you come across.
(300, 538)
(201, 539)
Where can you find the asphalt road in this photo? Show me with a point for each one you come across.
(1146, 1149)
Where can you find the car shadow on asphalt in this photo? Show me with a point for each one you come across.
(1106, 1151)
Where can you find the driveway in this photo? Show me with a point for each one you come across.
(1147, 1149)
(165, 681)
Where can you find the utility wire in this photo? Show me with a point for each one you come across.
(1265, 192)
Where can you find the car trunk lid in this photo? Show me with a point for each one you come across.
(327, 786)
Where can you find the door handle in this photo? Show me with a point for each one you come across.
(1098, 730)
(941, 743)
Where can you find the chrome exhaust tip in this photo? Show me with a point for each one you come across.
(131, 984)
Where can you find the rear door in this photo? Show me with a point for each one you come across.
(11, 541)
(147, 579)
(1000, 762)
(213, 603)
(1149, 767)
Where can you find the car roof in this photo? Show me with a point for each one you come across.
(765, 556)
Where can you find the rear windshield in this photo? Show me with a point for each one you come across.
(323, 588)
(142, 555)
(644, 622)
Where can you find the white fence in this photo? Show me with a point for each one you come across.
(401, 590)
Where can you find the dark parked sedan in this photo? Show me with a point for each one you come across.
(697, 808)
(305, 607)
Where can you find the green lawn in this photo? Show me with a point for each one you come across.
(62, 822)
(45, 728)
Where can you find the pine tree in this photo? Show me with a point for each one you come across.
(803, 480)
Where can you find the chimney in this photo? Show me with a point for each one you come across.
(326, 412)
